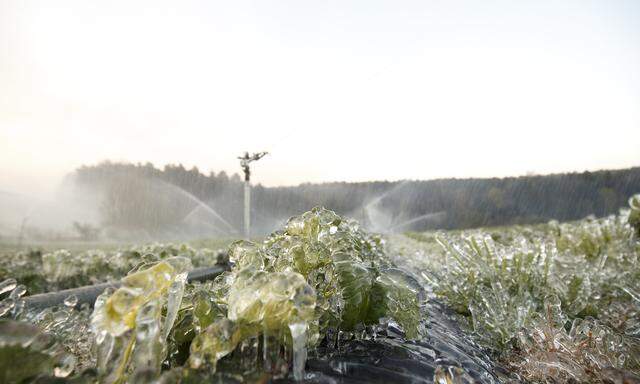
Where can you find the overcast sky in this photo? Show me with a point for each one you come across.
(335, 90)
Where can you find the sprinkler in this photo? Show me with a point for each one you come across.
(244, 163)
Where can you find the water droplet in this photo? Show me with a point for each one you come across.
(18, 292)
(8, 285)
(65, 367)
(6, 305)
(18, 308)
(71, 301)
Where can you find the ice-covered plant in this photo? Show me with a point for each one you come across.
(62, 269)
(496, 285)
(589, 271)
(319, 277)
(26, 352)
(583, 350)
(130, 331)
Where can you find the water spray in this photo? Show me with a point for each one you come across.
(245, 160)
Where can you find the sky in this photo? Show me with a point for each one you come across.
(334, 90)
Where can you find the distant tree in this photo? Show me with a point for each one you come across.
(222, 177)
(136, 203)
(132, 197)
(86, 231)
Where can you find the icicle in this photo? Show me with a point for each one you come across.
(175, 293)
(299, 345)
(148, 353)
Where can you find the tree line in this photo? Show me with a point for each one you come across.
(152, 199)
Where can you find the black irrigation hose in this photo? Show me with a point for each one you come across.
(88, 294)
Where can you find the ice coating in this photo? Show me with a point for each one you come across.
(554, 302)
(149, 350)
(84, 267)
(8, 285)
(128, 321)
(299, 347)
(62, 269)
(216, 341)
(259, 303)
(320, 277)
(589, 351)
(13, 305)
(270, 298)
(6, 306)
(174, 300)
(55, 265)
(348, 269)
(26, 352)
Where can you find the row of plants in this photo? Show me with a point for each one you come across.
(45, 271)
(318, 282)
(554, 302)
(558, 302)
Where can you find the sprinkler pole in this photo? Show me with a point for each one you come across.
(247, 209)
(244, 163)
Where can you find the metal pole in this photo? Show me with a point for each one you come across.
(247, 209)
(245, 160)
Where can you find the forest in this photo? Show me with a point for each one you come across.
(158, 199)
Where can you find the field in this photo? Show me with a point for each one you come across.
(324, 301)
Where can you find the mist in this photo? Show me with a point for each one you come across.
(123, 202)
